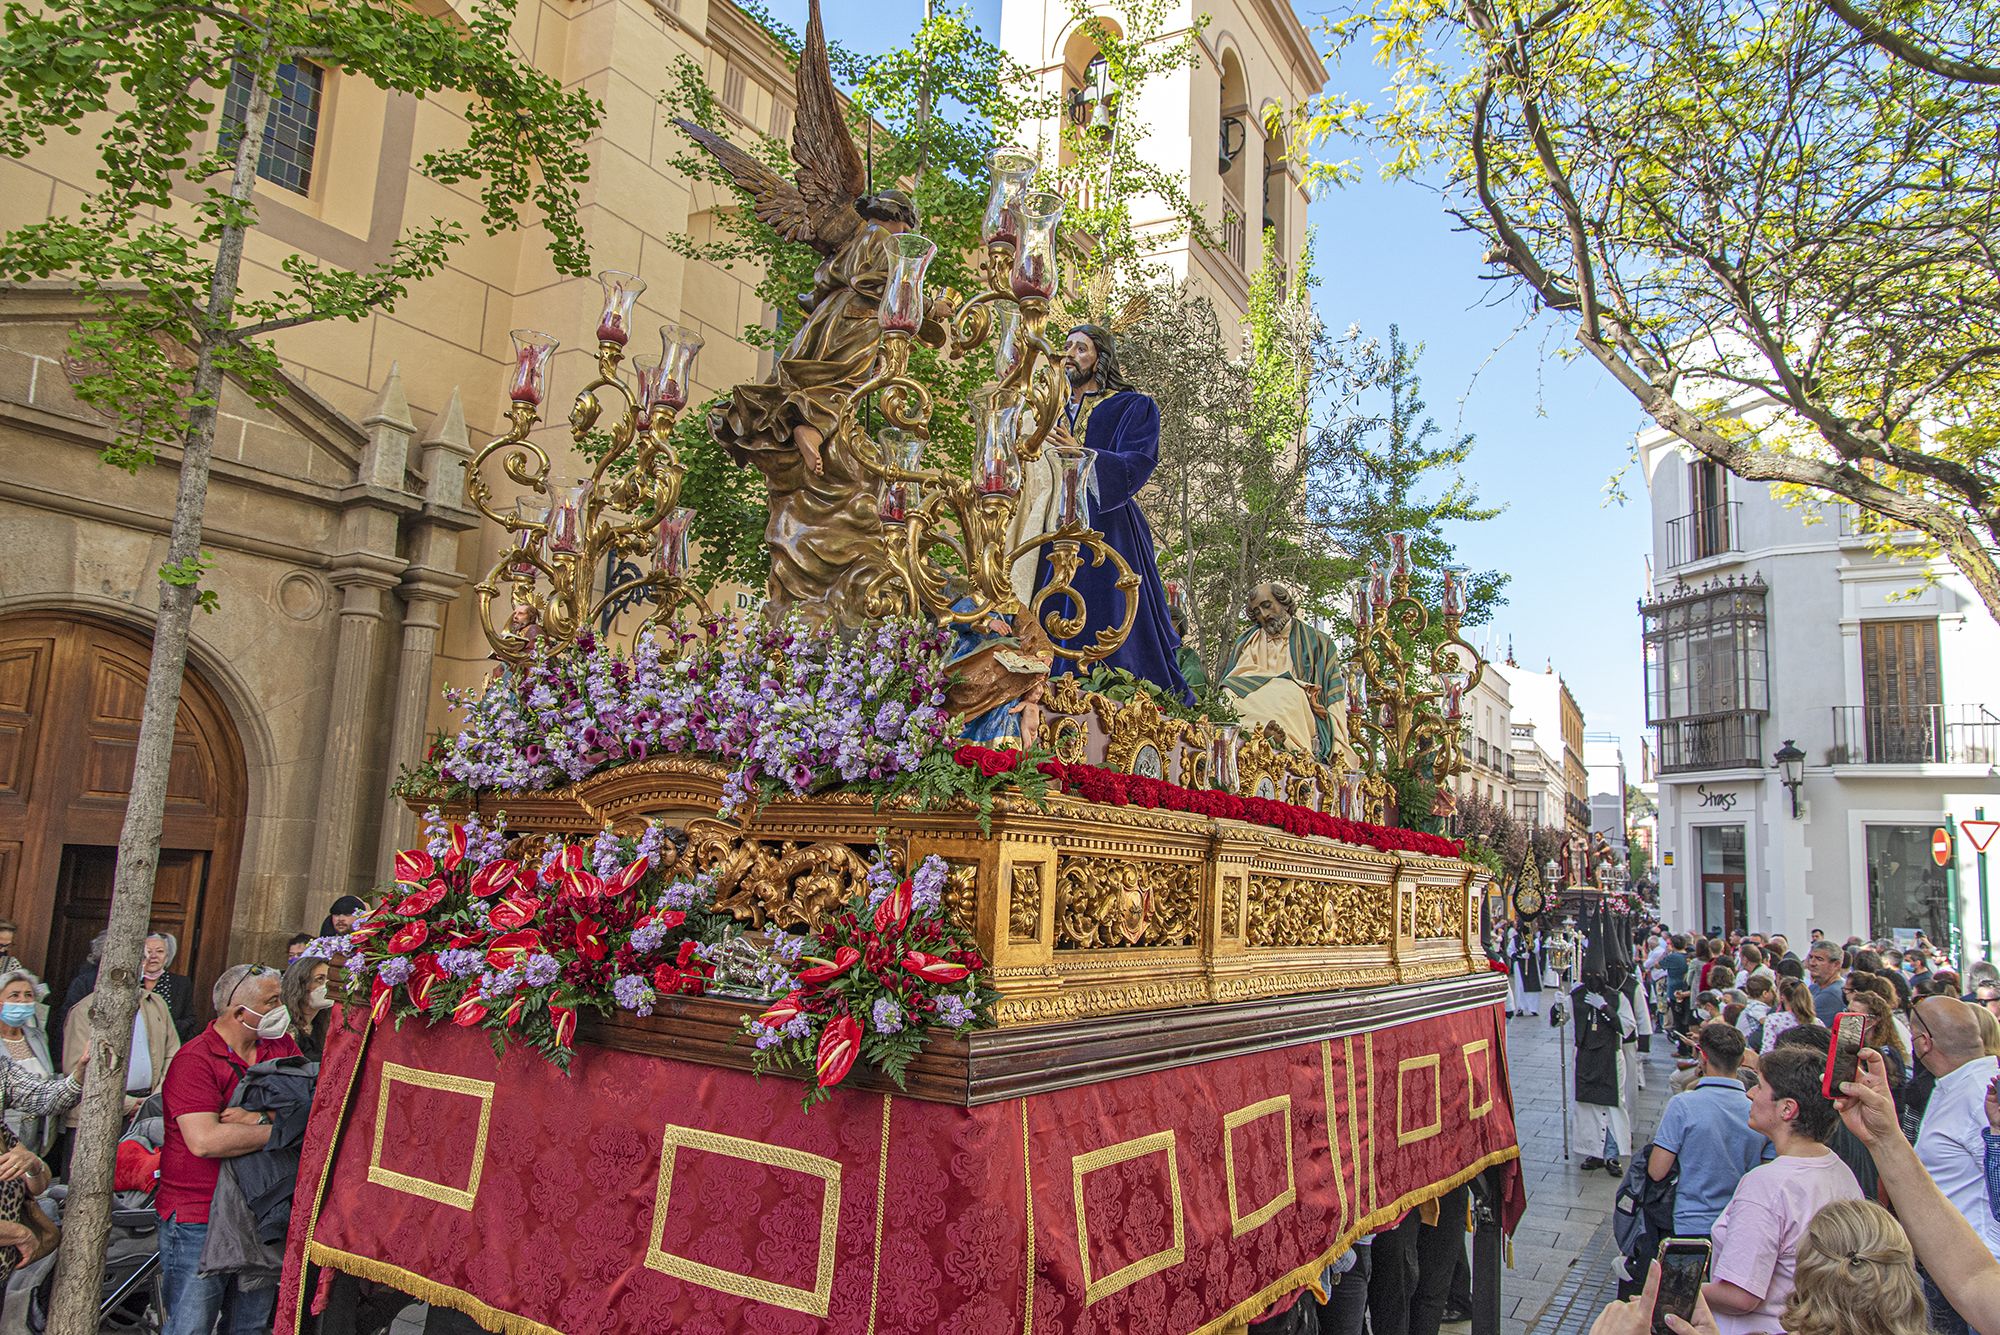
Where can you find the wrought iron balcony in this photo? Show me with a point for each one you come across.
(1715, 741)
(1710, 531)
(1915, 735)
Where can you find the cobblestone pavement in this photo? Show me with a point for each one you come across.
(1562, 1275)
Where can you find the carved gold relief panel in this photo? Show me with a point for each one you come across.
(1439, 911)
(1106, 903)
(1304, 911)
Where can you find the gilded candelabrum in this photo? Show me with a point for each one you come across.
(1406, 695)
(950, 538)
(627, 507)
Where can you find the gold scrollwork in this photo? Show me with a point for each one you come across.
(1070, 740)
(1134, 1271)
(1439, 910)
(1232, 907)
(765, 881)
(1024, 903)
(460, 1198)
(1116, 902)
(961, 894)
(1280, 1106)
(1303, 911)
(814, 1301)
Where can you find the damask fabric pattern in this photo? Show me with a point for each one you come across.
(641, 1194)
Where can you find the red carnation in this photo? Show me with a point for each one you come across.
(408, 937)
(839, 1045)
(826, 971)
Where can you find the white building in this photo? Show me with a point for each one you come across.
(1489, 746)
(1604, 762)
(1767, 625)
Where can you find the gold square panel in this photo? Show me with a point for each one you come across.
(1405, 1133)
(443, 1193)
(1281, 1106)
(1481, 1048)
(1133, 1271)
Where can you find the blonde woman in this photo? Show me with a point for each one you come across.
(1795, 1007)
(1989, 1030)
(1857, 1275)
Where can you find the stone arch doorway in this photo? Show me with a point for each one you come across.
(71, 687)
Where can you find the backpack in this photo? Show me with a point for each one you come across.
(1642, 1215)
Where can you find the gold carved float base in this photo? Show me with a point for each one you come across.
(1084, 910)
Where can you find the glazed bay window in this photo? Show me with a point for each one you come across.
(292, 132)
(1707, 682)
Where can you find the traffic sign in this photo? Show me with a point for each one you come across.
(1980, 832)
(1941, 847)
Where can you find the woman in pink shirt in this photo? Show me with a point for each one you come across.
(1757, 1236)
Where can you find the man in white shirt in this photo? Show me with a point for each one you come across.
(1945, 1038)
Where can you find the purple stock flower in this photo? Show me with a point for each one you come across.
(541, 970)
(633, 993)
(887, 1017)
(395, 970)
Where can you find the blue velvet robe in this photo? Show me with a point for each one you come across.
(1124, 429)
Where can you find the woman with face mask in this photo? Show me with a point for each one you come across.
(155, 1040)
(25, 1045)
(308, 1006)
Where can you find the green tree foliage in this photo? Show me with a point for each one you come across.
(1772, 221)
(157, 250)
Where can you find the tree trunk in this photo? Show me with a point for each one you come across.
(87, 1215)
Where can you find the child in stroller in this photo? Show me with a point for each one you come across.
(131, 1295)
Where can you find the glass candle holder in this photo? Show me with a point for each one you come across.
(566, 517)
(1350, 796)
(1035, 276)
(531, 514)
(1364, 611)
(532, 351)
(670, 557)
(1010, 169)
(1454, 592)
(1222, 759)
(647, 368)
(1008, 346)
(898, 449)
(1378, 585)
(621, 293)
(1399, 555)
(902, 308)
(678, 347)
(996, 466)
(1453, 685)
(1073, 487)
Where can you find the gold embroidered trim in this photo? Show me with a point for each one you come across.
(1132, 1272)
(1028, 1195)
(1240, 1223)
(813, 1301)
(1354, 1129)
(1374, 1187)
(1333, 1125)
(459, 1198)
(425, 1290)
(333, 1145)
(1474, 1110)
(1405, 1133)
(881, 1209)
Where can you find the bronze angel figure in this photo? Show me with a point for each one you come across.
(824, 536)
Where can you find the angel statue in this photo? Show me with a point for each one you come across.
(824, 536)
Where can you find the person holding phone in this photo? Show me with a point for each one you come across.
(1757, 1236)
(1952, 1142)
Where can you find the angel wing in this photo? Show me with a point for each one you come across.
(819, 208)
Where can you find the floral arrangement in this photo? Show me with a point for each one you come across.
(885, 973)
(518, 947)
(1102, 785)
(789, 707)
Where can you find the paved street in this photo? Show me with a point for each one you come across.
(1561, 1275)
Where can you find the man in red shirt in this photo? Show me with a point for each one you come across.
(202, 1130)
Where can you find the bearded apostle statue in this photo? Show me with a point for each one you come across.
(1283, 672)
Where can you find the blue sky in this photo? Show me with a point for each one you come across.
(1550, 433)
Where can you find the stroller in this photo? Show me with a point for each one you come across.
(130, 1304)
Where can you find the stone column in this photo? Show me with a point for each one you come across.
(432, 580)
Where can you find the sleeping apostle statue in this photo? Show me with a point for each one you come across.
(1121, 428)
(1286, 673)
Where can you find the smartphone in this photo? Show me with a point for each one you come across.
(1843, 1056)
(1683, 1267)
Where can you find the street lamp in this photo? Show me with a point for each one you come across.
(1791, 764)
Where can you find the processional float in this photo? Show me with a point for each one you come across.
(1138, 1037)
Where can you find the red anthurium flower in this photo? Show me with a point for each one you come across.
(507, 951)
(378, 1004)
(408, 937)
(470, 1011)
(514, 912)
(783, 1011)
(839, 1045)
(623, 882)
(572, 858)
(419, 987)
(414, 866)
(496, 878)
(364, 930)
(589, 938)
(932, 969)
(454, 852)
(513, 1015)
(422, 902)
(467, 938)
(667, 918)
(825, 972)
(894, 910)
(564, 1020)
(582, 887)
